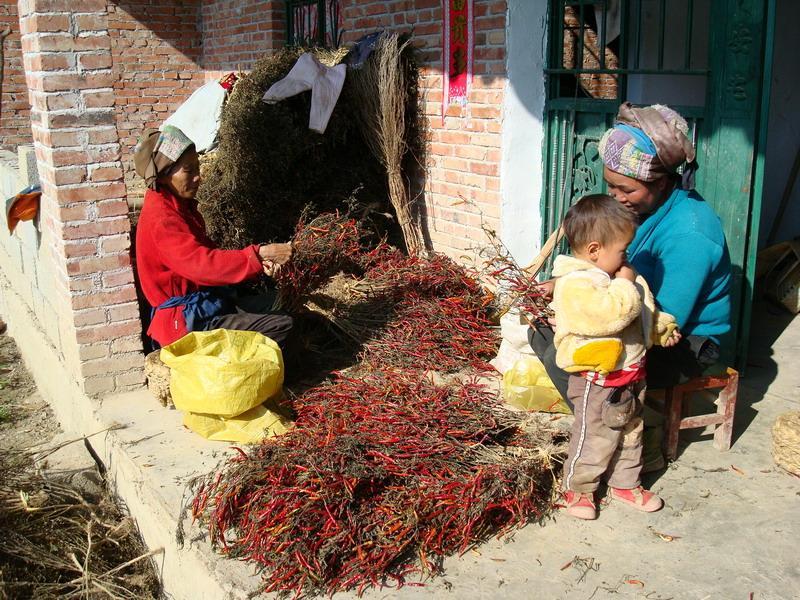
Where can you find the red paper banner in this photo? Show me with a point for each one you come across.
(457, 55)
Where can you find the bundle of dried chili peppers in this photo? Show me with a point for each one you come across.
(322, 247)
(517, 288)
(384, 475)
(439, 334)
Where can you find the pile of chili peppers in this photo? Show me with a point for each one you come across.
(386, 472)
(384, 475)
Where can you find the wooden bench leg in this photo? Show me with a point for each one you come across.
(673, 401)
(727, 406)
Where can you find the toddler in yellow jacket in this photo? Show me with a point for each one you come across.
(606, 319)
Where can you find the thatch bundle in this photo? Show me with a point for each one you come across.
(786, 442)
(270, 167)
(382, 86)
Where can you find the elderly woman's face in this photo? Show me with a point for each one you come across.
(183, 179)
(642, 197)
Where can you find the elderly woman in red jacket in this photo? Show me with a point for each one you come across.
(178, 264)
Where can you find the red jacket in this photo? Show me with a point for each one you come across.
(175, 256)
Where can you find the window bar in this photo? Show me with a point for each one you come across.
(602, 48)
(661, 28)
(579, 58)
(638, 47)
(321, 13)
(559, 49)
(687, 50)
(625, 18)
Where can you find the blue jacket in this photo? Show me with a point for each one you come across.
(680, 250)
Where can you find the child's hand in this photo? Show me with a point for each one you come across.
(625, 272)
(673, 339)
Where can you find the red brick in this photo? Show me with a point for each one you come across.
(61, 101)
(125, 294)
(76, 249)
(86, 118)
(87, 22)
(49, 62)
(92, 316)
(63, 176)
(94, 61)
(67, 82)
(95, 191)
(124, 312)
(78, 212)
(115, 243)
(127, 344)
(45, 6)
(97, 228)
(82, 284)
(112, 208)
(105, 173)
(86, 266)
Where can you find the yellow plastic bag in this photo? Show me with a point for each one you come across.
(527, 386)
(223, 372)
(248, 428)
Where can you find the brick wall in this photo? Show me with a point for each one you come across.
(462, 187)
(155, 53)
(236, 33)
(15, 126)
(84, 214)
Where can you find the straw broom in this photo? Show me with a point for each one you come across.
(382, 88)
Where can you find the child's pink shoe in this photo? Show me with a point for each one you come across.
(639, 498)
(579, 505)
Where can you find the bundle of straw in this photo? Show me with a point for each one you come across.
(382, 92)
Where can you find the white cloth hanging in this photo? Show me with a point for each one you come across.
(198, 117)
(324, 82)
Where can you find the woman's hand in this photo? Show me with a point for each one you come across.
(270, 268)
(546, 288)
(278, 254)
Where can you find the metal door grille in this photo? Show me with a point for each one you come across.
(313, 23)
(590, 72)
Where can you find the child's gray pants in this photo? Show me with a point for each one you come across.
(596, 448)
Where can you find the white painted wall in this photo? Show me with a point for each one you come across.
(783, 135)
(522, 169)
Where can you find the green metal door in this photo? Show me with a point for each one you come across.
(701, 57)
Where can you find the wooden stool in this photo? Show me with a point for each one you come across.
(675, 404)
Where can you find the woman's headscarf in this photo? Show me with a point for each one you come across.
(647, 143)
(157, 151)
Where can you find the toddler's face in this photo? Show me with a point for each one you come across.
(610, 257)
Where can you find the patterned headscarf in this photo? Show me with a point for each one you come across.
(647, 143)
(157, 151)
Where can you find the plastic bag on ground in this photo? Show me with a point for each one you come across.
(223, 372)
(248, 428)
(527, 386)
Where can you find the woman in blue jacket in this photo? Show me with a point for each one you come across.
(679, 246)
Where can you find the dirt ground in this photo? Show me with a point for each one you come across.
(63, 534)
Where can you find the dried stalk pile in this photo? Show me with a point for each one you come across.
(59, 542)
(382, 89)
(269, 167)
(384, 475)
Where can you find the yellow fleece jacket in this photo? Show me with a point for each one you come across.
(603, 324)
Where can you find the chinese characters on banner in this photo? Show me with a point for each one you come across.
(457, 54)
